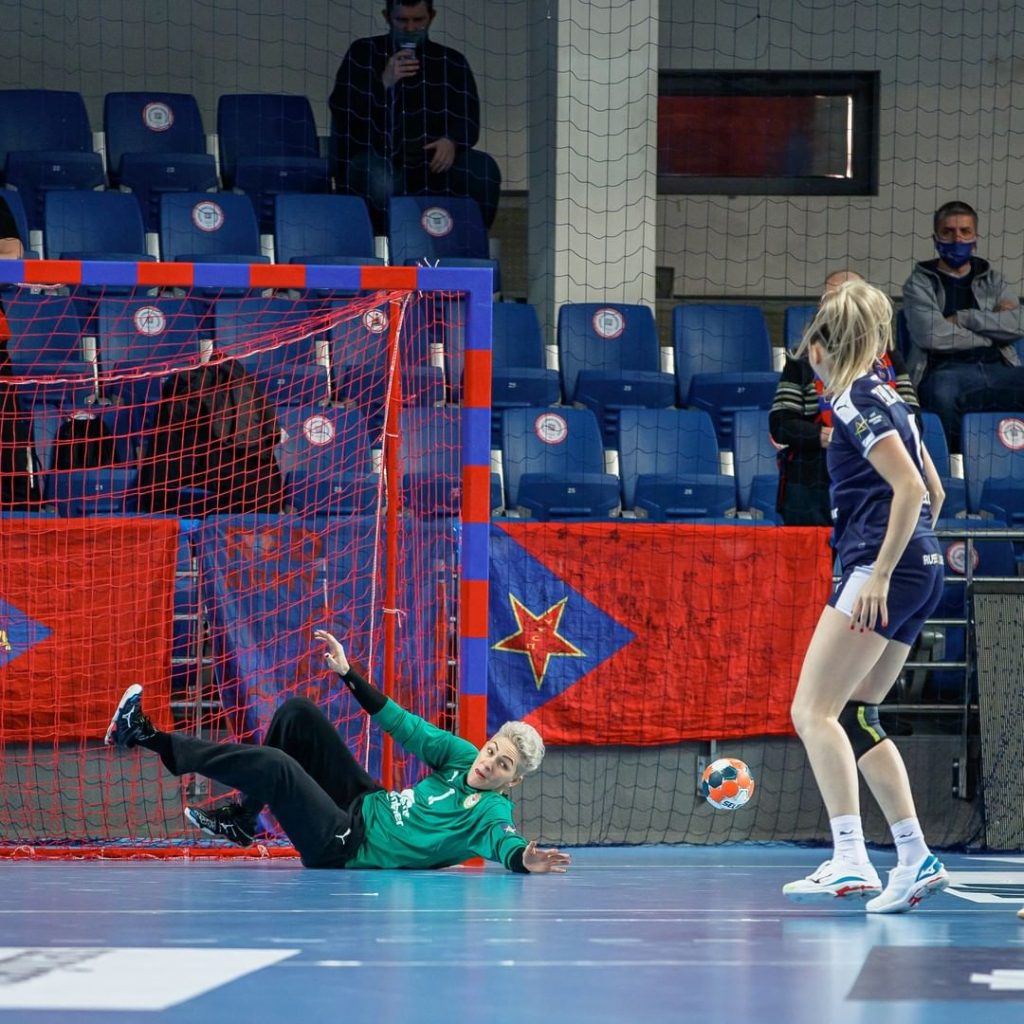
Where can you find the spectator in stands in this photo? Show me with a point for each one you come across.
(405, 116)
(338, 816)
(887, 496)
(16, 488)
(963, 319)
(801, 421)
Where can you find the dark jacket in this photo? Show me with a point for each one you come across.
(440, 101)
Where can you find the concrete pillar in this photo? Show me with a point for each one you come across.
(593, 122)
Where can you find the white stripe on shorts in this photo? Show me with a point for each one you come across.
(848, 594)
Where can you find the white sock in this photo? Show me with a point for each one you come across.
(848, 839)
(910, 844)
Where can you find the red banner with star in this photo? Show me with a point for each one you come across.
(643, 634)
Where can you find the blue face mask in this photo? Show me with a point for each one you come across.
(417, 37)
(954, 254)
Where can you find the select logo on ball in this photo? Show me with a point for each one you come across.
(727, 784)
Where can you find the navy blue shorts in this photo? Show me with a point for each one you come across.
(914, 590)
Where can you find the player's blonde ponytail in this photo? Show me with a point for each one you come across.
(854, 326)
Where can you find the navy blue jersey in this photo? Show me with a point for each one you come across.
(862, 415)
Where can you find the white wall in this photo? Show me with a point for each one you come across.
(952, 126)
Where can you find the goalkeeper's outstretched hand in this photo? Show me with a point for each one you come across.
(335, 653)
(540, 862)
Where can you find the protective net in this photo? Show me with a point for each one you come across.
(687, 159)
(193, 483)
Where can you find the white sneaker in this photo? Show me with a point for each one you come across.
(910, 884)
(835, 880)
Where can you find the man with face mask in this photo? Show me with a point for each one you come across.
(405, 116)
(963, 320)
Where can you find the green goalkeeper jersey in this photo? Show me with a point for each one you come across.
(441, 820)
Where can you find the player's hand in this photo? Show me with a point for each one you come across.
(870, 605)
(540, 862)
(1005, 305)
(442, 154)
(401, 64)
(334, 656)
(826, 436)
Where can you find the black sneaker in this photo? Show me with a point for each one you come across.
(129, 725)
(230, 822)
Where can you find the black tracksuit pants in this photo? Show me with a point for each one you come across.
(303, 772)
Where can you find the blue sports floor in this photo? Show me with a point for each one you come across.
(629, 935)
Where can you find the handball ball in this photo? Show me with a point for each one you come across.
(727, 784)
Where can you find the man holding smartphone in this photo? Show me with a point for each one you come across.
(405, 116)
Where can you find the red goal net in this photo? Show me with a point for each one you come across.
(193, 480)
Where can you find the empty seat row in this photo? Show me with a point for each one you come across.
(610, 359)
(155, 143)
(222, 226)
(71, 349)
(553, 460)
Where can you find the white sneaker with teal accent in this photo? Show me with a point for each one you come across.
(910, 884)
(835, 880)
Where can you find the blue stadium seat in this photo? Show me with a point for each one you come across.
(431, 460)
(519, 373)
(554, 465)
(46, 341)
(324, 457)
(359, 363)
(110, 490)
(446, 230)
(610, 359)
(993, 449)
(668, 460)
(755, 459)
(17, 208)
(934, 439)
(156, 143)
(989, 558)
(282, 329)
(293, 385)
(152, 330)
(323, 229)
(93, 226)
(268, 144)
(46, 143)
(208, 227)
(794, 322)
(723, 359)
(56, 487)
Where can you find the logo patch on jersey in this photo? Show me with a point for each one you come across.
(510, 829)
(876, 419)
(860, 427)
(472, 800)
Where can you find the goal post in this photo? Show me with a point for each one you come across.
(217, 459)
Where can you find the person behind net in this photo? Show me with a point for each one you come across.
(800, 423)
(333, 812)
(405, 116)
(963, 320)
(887, 495)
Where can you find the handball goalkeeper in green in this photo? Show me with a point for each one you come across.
(334, 813)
